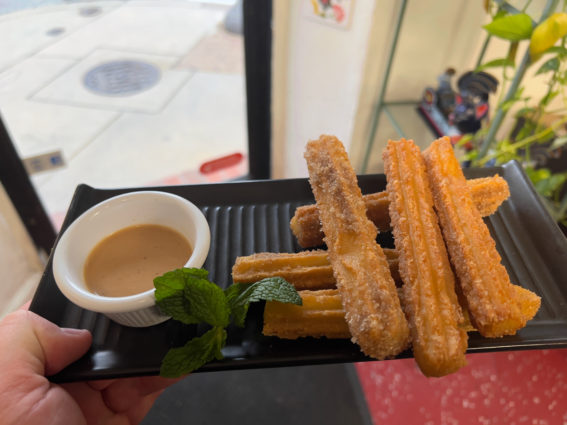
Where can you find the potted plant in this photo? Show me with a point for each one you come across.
(538, 139)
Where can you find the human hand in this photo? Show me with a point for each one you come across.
(32, 348)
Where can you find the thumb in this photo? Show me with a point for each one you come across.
(28, 340)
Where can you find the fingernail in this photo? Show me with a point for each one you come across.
(73, 331)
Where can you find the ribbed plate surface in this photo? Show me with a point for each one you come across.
(253, 217)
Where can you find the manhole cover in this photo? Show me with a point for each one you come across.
(121, 78)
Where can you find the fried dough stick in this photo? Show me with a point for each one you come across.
(319, 273)
(306, 270)
(428, 292)
(368, 293)
(493, 303)
(321, 314)
(488, 194)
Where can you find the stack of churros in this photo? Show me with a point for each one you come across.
(444, 278)
(487, 194)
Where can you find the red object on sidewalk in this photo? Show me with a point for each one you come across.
(522, 387)
(220, 163)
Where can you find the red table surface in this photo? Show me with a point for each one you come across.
(522, 387)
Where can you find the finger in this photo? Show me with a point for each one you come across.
(101, 384)
(91, 403)
(127, 392)
(29, 342)
(26, 306)
(139, 412)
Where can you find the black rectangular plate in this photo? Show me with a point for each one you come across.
(249, 217)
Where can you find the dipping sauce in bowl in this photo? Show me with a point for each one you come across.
(106, 260)
(127, 261)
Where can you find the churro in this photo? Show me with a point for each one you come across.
(488, 193)
(368, 293)
(306, 270)
(493, 303)
(255, 267)
(321, 314)
(428, 293)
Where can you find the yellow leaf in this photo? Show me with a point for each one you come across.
(546, 34)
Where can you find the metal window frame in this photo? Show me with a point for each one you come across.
(21, 192)
(258, 69)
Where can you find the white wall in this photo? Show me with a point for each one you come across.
(322, 72)
(327, 80)
(19, 261)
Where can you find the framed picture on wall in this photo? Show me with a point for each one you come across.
(336, 13)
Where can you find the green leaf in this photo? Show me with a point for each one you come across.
(237, 310)
(505, 106)
(528, 110)
(546, 187)
(548, 98)
(269, 289)
(562, 77)
(547, 33)
(470, 155)
(537, 175)
(511, 27)
(207, 302)
(186, 295)
(496, 63)
(170, 297)
(558, 142)
(550, 65)
(197, 352)
(560, 50)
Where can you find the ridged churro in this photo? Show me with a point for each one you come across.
(493, 303)
(488, 193)
(368, 293)
(255, 267)
(321, 314)
(428, 293)
(304, 270)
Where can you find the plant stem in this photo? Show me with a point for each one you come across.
(500, 113)
(526, 141)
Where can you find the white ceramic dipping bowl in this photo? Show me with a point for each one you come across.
(100, 221)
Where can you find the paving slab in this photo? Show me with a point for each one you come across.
(26, 33)
(204, 121)
(166, 28)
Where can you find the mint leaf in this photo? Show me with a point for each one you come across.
(237, 309)
(207, 302)
(197, 352)
(269, 289)
(187, 296)
(170, 298)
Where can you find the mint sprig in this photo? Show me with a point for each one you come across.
(240, 295)
(197, 352)
(188, 296)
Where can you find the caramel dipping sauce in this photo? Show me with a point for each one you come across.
(126, 262)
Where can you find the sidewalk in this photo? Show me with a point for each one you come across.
(152, 116)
